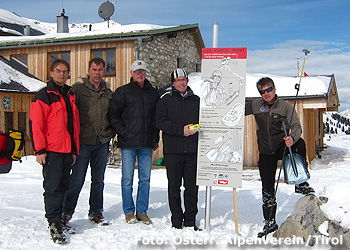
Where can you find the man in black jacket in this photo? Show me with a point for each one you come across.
(272, 144)
(177, 110)
(132, 116)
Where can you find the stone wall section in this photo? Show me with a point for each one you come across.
(162, 53)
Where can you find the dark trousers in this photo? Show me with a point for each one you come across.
(56, 181)
(96, 155)
(267, 169)
(182, 167)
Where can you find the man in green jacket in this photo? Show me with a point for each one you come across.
(93, 97)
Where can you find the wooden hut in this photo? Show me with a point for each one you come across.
(162, 48)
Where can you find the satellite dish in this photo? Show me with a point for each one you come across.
(106, 10)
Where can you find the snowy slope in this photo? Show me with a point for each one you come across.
(74, 27)
(23, 225)
(337, 123)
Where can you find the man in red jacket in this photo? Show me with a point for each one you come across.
(54, 128)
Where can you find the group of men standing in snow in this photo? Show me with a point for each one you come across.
(72, 126)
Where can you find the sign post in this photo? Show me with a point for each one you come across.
(220, 146)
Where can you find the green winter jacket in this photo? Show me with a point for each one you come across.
(93, 111)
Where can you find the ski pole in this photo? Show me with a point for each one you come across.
(297, 85)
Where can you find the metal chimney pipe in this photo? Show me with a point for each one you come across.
(215, 34)
(26, 30)
(62, 23)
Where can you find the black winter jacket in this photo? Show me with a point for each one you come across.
(174, 112)
(132, 113)
(270, 131)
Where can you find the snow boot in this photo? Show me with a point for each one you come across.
(99, 219)
(269, 227)
(269, 208)
(66, 217)
(56, 232)
(304, 188)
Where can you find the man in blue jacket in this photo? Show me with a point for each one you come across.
(132, 116)
(176, 111)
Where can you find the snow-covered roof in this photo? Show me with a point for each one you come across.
(12, 18)
(98, 31)
(12, 80)
(310, 86)
(10, 31)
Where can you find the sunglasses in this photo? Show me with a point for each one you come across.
(140, 71)
(265, 90)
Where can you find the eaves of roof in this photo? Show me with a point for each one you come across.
(289, 98)
(133, 35)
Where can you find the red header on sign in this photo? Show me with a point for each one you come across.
(219, 53)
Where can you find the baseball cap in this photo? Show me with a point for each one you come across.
(138, 64)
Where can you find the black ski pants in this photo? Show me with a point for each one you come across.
(267, 169)
(56, 172)
(182, 167)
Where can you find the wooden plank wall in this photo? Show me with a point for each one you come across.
(251, 152)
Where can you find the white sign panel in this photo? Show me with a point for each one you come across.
(220, 146)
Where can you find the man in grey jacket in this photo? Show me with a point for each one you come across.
(272, 144)
(93, 98)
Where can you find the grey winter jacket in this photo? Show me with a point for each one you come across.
(270, 131)
(93, 111)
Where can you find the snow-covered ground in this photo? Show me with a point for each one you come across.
(23, 225)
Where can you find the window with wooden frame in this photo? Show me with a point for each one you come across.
(64, 55)
(109, 56)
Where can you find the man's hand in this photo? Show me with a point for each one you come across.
(74, 159)
(187, 131)
(288, 140)
(41, 159)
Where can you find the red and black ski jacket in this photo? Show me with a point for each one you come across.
(49, 121)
